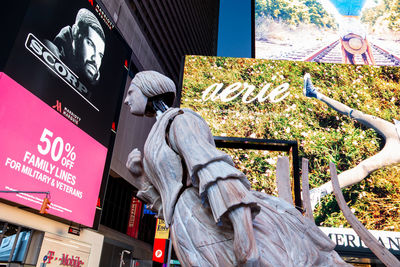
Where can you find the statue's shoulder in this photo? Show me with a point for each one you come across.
(193, 113)
(173, 112)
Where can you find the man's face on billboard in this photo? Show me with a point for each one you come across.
(90, 51)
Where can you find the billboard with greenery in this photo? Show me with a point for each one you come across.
(264, 99)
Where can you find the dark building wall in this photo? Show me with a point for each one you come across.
(121, 13)
(161, 32)
(175, 28)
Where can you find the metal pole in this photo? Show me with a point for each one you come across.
(10, 258)
(169, 252)
(296, 177)
(28, 192)
(121, 260)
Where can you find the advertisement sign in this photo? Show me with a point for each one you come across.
(147, 211)
(346, 31)
(162, 232)
(60, 92)
(71, 56)
(347, 240)
(255, 98)
(134, 218)
(159, 251)
(40, 151)
(160, 241)
(61, 251)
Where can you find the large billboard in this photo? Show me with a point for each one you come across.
(61, 87)
(71, 56)
(345, 31)
(44, 152)
(264, 99)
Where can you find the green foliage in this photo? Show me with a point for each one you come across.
(259, 167)
(323, 134)
(294, 12)
(386, 15)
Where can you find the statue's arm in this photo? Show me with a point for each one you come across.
(146, 192)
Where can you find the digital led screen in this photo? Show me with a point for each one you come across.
(70, 55)
(257, 98)
(61, 88)
(259, 166)
(356, 32)
(54, 157)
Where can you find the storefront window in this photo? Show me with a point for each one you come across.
(13, 242)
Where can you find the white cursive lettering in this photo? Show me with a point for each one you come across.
(216, 91)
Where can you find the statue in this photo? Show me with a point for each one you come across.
(214, 217)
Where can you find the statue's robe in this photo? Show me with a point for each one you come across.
(198, 185)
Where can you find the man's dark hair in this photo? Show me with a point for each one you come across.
(85, 19)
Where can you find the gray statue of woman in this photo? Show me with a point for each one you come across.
(215, 219)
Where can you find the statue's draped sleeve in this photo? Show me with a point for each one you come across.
(212, 171)
(150, 195)
(146, 191)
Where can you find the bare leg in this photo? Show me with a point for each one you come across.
(384, 128)
(387, 156)
(244, 243)
(351, 58)
(390, 154)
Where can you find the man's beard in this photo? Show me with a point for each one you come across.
(80, 66)
(88, 74)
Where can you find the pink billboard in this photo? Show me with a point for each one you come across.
(40, 150)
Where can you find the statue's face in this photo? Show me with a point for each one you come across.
(136, 100)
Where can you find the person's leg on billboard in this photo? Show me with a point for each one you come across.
(365, 59)
(311, 91)
(387, 156)
(351, 58)
(383, 127)
(355, 175)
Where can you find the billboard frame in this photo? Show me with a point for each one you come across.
(270, 145)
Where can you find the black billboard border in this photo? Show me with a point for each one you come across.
(270, 145)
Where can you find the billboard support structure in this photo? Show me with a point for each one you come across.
(28, 192)
(271, 145)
